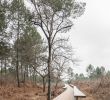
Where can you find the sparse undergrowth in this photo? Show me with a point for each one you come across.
(27, 92)
(95, 89)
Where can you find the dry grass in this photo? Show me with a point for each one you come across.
(96, 89)
(28, 92)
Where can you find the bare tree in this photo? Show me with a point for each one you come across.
(42, 72)
(62, 57)
(53, 17)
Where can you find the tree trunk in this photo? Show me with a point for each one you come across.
(56, 84)
(1, 72)
(17, 54)
(5, 67)
(17, 70)
(35, 80)
(43, 80)
(34, 77)
(49, 71)
(27, 72)
(22, 75)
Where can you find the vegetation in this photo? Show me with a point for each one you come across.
(95, 84)
(93, 73)
(33, 50)
(25, 54)
(53, 17)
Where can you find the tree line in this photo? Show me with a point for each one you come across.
(93, 73)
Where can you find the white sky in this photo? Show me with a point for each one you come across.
(90, 35)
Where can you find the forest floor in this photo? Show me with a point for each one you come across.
(27, 92)
(32, 92)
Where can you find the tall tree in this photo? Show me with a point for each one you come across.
(29, 49)
(19, 22)
(4, 40)
(53, 17)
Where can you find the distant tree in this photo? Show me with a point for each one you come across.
(108, 73)
(103, 70)
(70, 74)
(95, 72)
(90, 70)
(80, 76)
(76, 76)
(99, 71)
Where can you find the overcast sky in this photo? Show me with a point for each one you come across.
(90, 36)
